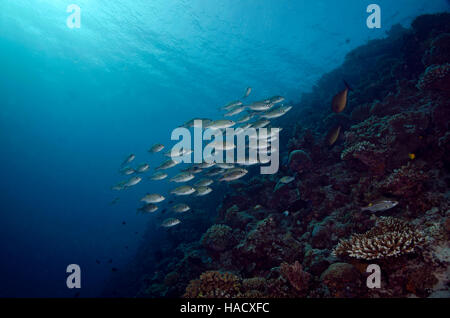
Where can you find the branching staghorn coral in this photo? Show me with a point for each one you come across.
(390, 237)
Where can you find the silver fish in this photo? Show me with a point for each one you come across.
(183, 190)
(222, 146)
(232, 105)
(380, 205)
(127, 171)
(225, 166)
(260, 106)
(182, 177)
(195, 123)
(153, 198)
(119, 186)
(214, 172)
(181, 208)
(167, 165)
(235, 111)
(245, 118)
(193, 169)
(280, 111)
(287, 179)
(174, 154)
(202, 191)
(220, 124)
(203, 183)
(158, 176)
(247, 92)
(156, 148)
(132, 182)
(234, 174)
(143, 168)
(170, 222)
(148, 208)
(204, 165)
(276, 99)
(129, 159)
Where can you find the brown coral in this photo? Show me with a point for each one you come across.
(213, 284)
(406, 181)
(298, 278)
(435, 77)
(390, 237)
(342, 280)
(218, 238)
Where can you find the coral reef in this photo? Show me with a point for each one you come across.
(214, 284)
(390, 237)
(299, 161)
(435, 77)
(298, 278)
(262, 238)
(218, 238)
(342, 280)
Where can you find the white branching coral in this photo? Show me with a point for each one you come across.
(390, 237)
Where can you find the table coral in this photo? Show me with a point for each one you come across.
(390, 237)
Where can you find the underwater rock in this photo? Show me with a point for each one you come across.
(269, 242)
(316, 261)
(299, 161)
(171, 279)
(407, 181)
(298, 278)
(438, 51)
(218, 238)
(435, 77)
(428, 24)
(214, 284)
(254, 284)
(320, 236)
(380, 143)
(342, 280)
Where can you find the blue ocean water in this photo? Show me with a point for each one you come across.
(75, 102)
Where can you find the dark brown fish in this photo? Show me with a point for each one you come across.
(333, 135)
(339, 101)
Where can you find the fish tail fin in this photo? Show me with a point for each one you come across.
(348, 85)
